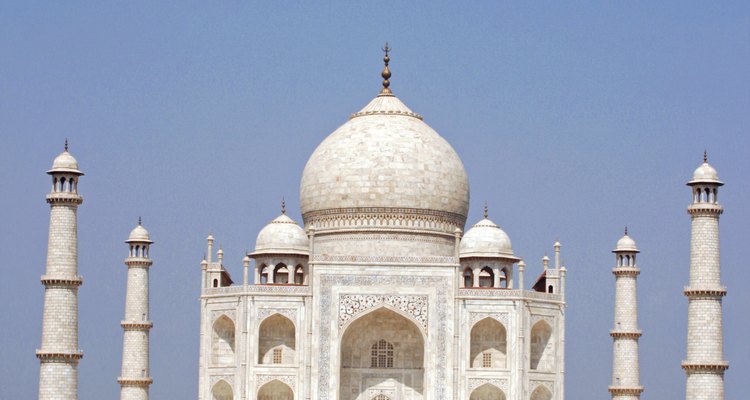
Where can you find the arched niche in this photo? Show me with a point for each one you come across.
(222, 391)
(368, 343)
(541, 357)
(541, 393)
(276, 340)
(487, 392)
(275, 390)
(222, 341)
(489, 346)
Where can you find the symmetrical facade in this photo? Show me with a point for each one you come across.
(705, 364)
(626, 381)
(135, 378)
(381, 295)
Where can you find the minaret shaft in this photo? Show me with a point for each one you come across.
(135, 376)
(705, 364)
(59, 353)
(626, 383)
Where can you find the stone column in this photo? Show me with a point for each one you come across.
(134, 377)
(59, 354)
(625, 365)
(705, 364)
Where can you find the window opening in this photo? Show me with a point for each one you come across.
(277, 356)
(381, 355)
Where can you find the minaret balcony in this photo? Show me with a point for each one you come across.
(705, 209)
(64, 197)
(136, 325)
(63, 281)
(698, 292)
(138, 382)
(634, 334)
(626, 391)
(626, 271)
(705, 367)
(59, 356)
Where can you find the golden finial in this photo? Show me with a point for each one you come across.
(705, 156)
(386, 74)
(66, 144)
(486, 210)
(283, 205)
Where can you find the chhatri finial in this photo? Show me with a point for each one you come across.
(486, 211)
(386, 74)
(283, 205)
(626, 230)
(139, 220)
(705, 156)
(66, 144)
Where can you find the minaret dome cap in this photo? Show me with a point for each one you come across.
(282, 236)
(486, 240)
(65, 163)
(139, 234)
(626, 244)
(705, 173)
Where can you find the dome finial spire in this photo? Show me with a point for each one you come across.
(283, 205)
(705, 156)
(386, 74)
(626, 230)
(66, 144)
(486, 210)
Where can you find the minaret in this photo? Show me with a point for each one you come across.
(59, 354)
(705, 364)
(626, 383)
(134, 377)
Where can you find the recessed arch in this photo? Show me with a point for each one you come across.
(468, 278)
(488, 348)
(263, 274)
(541, 393)
(275, 390)
(486, 277)
(407, 349)
(281, 274)
(276, 340)
(223, 341)
(487, 392)
(222, 391)
(541, 357)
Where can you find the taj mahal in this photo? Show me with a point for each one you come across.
(380, 291)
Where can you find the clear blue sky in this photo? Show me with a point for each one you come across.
(573, 120)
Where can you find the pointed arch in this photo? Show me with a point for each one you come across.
(263, 274)
(223, 341)
(541, 357)
(487, 392)
(468, 278)
(299, 274)
(281, 274)
(222, 391)
(486, 277)
(488, 348)
(541, 393)
(276, 340)
(396, 338)
(275, 390)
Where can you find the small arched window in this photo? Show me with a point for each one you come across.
(468, 278)
(486, 277)
(381, 355)
(263, 274)
(216, 283)
(551, 289)
(281, 274)
(299, 275)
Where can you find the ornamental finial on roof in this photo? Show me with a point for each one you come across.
(486, 210)
(626, 231)
(386, 74)
(66, 144)
(705, 156)
(283, 205)
(139, 221)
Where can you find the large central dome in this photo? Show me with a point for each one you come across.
(385, 158)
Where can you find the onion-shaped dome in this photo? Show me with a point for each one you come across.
(385, 158)
(282, 236)
(139, 234)
(486, 239)
(705, 173)
(65, 163)
(626, 243)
